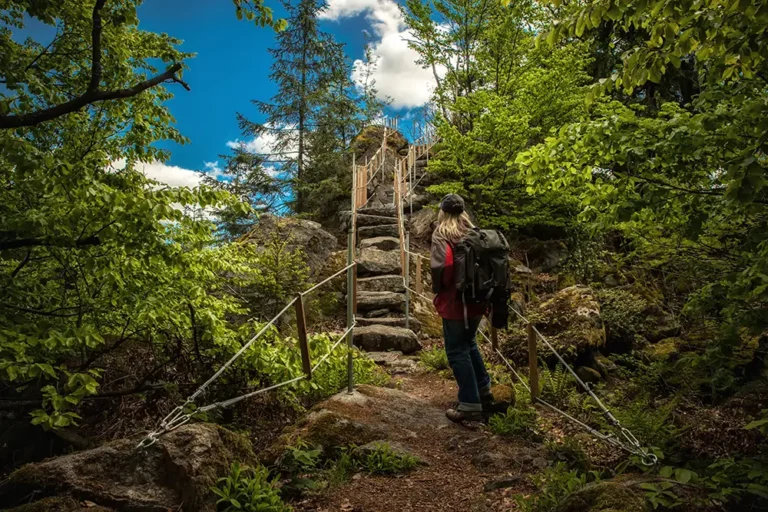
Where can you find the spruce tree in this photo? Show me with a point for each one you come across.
(301, 70)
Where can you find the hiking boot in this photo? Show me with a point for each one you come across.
(457, 416)
(487, 400)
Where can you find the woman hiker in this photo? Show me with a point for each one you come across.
(459, 324)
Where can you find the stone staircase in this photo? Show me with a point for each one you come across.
(381, 292)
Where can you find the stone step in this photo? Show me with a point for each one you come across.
(382, 243)
(413, 323)
(372, 301)
(381, 338)
(382, 211)
(386, 283)
(377, 231)
(373, 262)
(373, 220)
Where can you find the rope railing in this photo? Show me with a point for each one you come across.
(181, 414)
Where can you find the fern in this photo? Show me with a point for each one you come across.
(558, 387)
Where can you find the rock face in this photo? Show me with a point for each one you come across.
(373, 262)
(373, 301)
(570, 320)
(380, 338)
(423, 224)
(302, 234)
(393, 283)
(179, 469)
(414, 324)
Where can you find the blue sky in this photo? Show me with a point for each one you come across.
(232, 67)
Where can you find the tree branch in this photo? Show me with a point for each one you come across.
(96, 68)
(88, 98)
(34, 242)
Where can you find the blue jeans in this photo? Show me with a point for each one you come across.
(466, 363)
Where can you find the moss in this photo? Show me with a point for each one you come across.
(239, 447)
(663, 350)
(503, 393)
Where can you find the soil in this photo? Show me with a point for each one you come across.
(449, 481)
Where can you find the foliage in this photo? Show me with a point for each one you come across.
(298, 462)
(434, 358)
(760, 424)
(570, 452)
(651, 422)
(554, 485)
(558, 386)
(383, 459)
(249, 489)
(622, 312)
(518, 421)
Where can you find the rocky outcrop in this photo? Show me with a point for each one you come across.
(308, 236)
(423, 224)
(179, 469)
(380, 338)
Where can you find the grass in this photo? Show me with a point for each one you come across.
(435, 359)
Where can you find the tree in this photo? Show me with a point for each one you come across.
(95, 257)
(302, 69)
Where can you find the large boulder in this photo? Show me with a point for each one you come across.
(310, 237)
(177, 470)
(392, 283)
(373, 262)
(380, 338)
(423, 224)
(570, 320)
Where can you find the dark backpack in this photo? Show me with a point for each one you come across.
(481, 269)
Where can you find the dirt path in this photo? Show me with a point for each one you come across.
(460, 460)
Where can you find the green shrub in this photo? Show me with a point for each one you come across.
(341, 468)
(622, 314)
(650, 422)
(518, 421)
(554, 485)
(558, 386)
(435, 359)
(382, 459)
(298, 464)
(249, 489)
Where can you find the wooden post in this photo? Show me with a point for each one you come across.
(533, 363)
(494, 337)
(301, 322)
(419, 284)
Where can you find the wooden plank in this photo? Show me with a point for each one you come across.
(533, 363)
(301, 323)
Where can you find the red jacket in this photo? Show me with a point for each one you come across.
(446, 301)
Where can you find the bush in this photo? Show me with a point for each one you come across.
(558, 386)
(569, 452)
(622, 314)
(435, 359)
(249, 489)
(517, 421)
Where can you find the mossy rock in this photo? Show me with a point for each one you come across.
(662, 351)
(503, 393)
(179, 469)
(620, 494)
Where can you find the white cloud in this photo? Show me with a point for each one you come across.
(266, 144)
(169, 174)
(397, 75)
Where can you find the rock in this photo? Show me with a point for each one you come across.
(310, 237)
(374, 220)
(384, 358)
(369, 414)
(376, 313)
(588, 374)
(382, 243)
(60, 504)
(423, 224)
(503, 393)
(503, 483)
(570, 320)
(380, 338)
(605, 366)
(660, 325)
(371, 262)
(413, 324)
(377, 231)
(382, 211)
(369, 301)
(547, 255)
(393, 283)
(179, 469)
(663, 350)
(620, 494)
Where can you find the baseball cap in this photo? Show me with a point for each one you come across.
(452, 203)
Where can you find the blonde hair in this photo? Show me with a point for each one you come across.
(453, 226)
